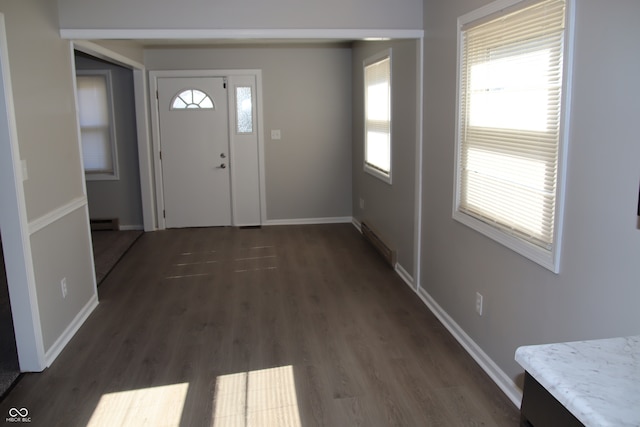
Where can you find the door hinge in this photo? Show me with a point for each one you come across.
(224, 83)
(164, 213)
(157, 96)
(160, 153)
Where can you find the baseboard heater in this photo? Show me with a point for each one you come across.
(373, 237)
(105, 224)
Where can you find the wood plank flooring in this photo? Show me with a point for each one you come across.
(279, 326)
(108, 247)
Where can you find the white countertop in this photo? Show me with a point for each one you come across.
(597, 381)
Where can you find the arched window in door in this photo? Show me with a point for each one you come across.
(192, 99)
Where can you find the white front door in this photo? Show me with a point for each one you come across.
(194, 144)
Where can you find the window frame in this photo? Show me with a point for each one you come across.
(548, 258)
(369, 168)
(114, 174)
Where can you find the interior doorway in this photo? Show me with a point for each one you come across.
(114, 197)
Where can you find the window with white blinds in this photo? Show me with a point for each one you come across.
(97, 129)
(510, 116)
(377, 147)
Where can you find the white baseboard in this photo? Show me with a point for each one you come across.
(405, 276)
(309, 221)
(357, 224)
(498, 376)
(131, 227)
(54, 351)
(400, 270)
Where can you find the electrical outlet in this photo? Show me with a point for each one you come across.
(63, 286)
(276, 134)
(361, 203)
(479, 303)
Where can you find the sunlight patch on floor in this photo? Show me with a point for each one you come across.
(257, 398)
(153, 406)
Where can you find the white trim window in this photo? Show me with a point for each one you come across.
(377, 111)
(97, 127)
(512, 106)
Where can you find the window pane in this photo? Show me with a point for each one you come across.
(377, 76)
(191, 99)
(179, 104)
(93, 101)
(244, 110)
(511, 92)
(378, 101)
(198, 96)
(96, 150)
(187, 97)
(206, 103)
(500, 183)
(378, 150)
(96, 128)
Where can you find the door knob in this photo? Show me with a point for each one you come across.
(223, 156)
(223, 166)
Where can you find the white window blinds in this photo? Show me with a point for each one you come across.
(377, 78)
(96, 126)
(509, 120)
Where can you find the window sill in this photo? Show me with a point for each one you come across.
(101, 177)
(378, 174)
(545, 258)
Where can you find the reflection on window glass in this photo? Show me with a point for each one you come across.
(244, 113)
(191, 98)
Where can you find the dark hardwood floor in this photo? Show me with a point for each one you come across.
(279, 326)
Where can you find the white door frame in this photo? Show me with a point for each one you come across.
(15, 228)
(155, 132)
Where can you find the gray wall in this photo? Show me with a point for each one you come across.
(234, 14)
(118, 198)
(45, 105)
(307, 95)
(130, 49)
(389, 208)
(72, 261)
(596, 293)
